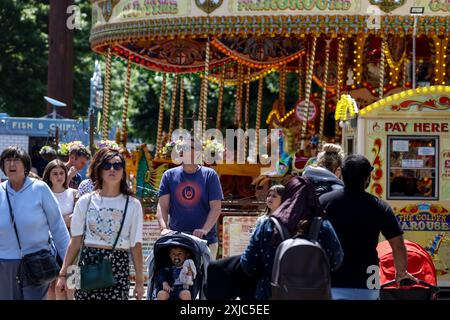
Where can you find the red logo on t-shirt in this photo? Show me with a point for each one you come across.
(188, 193)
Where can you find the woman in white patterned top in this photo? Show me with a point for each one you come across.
(99, 216)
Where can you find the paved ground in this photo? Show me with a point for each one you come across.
(131, 292)
(443, 295)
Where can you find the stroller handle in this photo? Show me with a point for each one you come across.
(409, 282)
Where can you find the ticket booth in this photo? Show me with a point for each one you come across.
(406, 137)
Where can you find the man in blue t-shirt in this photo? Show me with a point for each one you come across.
(191, 195)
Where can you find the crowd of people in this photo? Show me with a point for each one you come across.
(88, 222)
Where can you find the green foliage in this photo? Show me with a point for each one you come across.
(23, 56)
(84, 60)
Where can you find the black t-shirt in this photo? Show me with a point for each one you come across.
(358, 218)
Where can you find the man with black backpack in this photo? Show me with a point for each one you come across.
(285, 256)
(358, 218)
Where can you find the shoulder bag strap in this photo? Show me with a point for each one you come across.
(13, 220)
(282, 231)
(121, 224)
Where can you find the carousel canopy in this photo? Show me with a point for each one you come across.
(170, 35)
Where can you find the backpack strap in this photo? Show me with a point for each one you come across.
(281, 229)
(314, 228)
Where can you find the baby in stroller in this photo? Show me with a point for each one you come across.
(177, 267)
(175, 281)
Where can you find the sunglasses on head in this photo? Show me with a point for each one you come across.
(116, 165)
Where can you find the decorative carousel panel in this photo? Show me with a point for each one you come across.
(261, 52)
(180, 55)
(112, 11)
(388, 5)
(230, 74)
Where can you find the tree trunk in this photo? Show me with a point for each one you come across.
(60, 57)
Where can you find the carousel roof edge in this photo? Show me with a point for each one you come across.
(108, 10)
(286, 25)
(433, 101)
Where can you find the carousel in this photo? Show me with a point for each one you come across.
(340, 53)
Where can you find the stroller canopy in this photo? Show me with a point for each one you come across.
(420, 263)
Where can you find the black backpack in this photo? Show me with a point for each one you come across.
(301, 270)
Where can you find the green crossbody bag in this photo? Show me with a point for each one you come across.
(99, 275)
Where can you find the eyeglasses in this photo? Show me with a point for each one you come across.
(116, 165)
(11, 160)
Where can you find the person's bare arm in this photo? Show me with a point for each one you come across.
(71, 173)
(213, 215)
(67, 219)
(136, 255)
(71, 254)
(400, 259)
(162, 213)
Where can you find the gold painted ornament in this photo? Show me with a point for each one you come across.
(208, 6)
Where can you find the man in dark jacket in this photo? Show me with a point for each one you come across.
(358, 218)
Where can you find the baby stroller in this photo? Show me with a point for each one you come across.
(159, 258)
(420, 265)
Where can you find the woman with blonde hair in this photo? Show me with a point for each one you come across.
(326, 174)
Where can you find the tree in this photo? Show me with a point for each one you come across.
(23, 56)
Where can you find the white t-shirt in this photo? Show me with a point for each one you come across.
(104, 218)
(66, 200)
